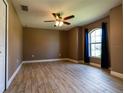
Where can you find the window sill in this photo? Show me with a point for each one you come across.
(95, 57)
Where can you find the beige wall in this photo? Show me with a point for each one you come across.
(51, 44)
(75, 50)
(63, 37)
(80, 44)
(14, 41)
(116, 39)
(44, 44)
(73, 43)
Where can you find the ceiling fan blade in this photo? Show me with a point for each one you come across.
(67, 23)
(59, 15)
(50, 21)
(54, 14)
(69, 17)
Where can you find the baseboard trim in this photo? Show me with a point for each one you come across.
(95, 64)
(13, 76)
(81, 61)
(116, 74)
(45, 60)
(51, 60)
(72, 60)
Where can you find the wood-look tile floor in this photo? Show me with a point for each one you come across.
(64, 77)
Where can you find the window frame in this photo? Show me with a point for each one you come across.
(89, 43)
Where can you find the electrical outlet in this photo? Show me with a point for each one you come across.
(17, 60)
(32, 56)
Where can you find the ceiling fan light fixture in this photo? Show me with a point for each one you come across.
(60, 23)
(57, 17)
(57, 23)
(59, 20)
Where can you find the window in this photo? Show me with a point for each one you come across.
(95, 42)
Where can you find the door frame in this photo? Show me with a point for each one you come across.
(6, 63)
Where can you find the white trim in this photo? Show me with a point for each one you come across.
(5, 1)
(51, 60)
(116, 74)
(44, 60)
(72, 60)
(95, 64)
(81, 61)
(13, 76)
(7, 47)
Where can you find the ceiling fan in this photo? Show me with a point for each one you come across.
(59, 21)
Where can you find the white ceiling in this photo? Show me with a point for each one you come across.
(85, 11)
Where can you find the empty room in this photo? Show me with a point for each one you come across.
(61, 46)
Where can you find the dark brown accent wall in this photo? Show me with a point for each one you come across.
(116, 39)
(14, 40)
(44, 44)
